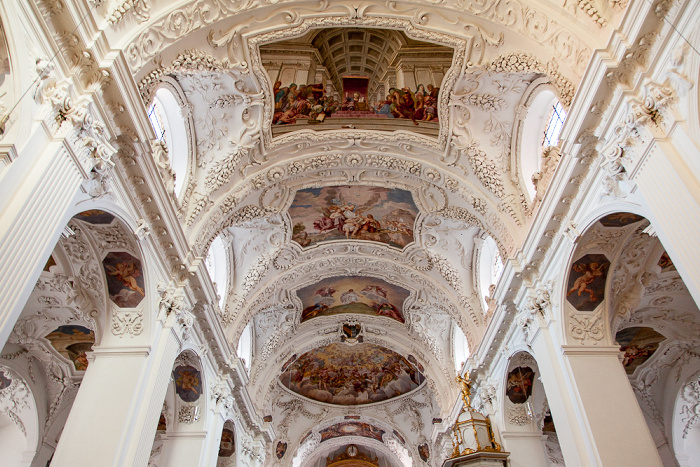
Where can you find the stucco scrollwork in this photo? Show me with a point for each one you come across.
(14, 398)
(127, 323)
(690, 410)
(587, 327)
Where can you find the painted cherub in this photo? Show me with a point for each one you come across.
(589, 273)
(126, 273)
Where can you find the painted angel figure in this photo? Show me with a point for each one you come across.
(589, 273)
(126, 273)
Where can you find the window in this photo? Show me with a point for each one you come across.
(490, 268)
(245, 346)
(216, 263)
(460, 348)
(169, 126)
(554, 125)
(155, 116)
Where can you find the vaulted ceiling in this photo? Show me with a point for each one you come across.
(412, 287)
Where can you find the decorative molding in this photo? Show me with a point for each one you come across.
(14, 398)
(690, 410)
(587, 327)
(127, 322)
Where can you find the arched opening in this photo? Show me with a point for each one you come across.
(245, 346)
(489, 269)
(170, 128)
(539, 129)
(217, 263)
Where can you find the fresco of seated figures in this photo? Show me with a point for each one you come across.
(351, 375)
(352, 294)
(345, 212)
(355, 78)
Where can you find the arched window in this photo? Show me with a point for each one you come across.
(490, 268)
(217, 265)
(169, 127)
(245, 345)
(460, 348)
(539, 129)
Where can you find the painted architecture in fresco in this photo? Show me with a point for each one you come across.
(385, 215)
(124, 279)
(351, 375)
(72, 342)
(586, 286)
(519, 384)
(353, 294)
(188, 382)
(638, 345)
(362, 74)
(351, 429)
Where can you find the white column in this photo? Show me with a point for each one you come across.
(526, 449)
(37, 190)
(115, 415)
(672, 194)
(605, 396)
(215, 424)
(574, 438)
(183, 449)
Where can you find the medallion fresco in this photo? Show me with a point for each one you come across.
(227, 446)
(586, 286)
(72, 342)
(424, 452)
(638, 345)
(95, 217)
(124, 279)
(352, 429)
(353, 294)
(377, 214)
(519, 384)
(351, 375)
(280, 449)
(188, 382)
(620, 219)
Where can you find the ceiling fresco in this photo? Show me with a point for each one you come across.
(385, 215)
(351, 429)
(351, 375)
(341, 77)
(95, 217)
(586, 286)
(124, 279)
(72, 342)
(519, 384)
(353, 294)
(620, 219)
(638, 345)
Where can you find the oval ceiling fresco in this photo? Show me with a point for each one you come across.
(356, 212)
(353, 294)
(351, 375)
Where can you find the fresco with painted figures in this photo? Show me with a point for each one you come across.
(227, 446)
(5, 380)
(586, 285)
(188, 382)
(124, 279)
(334, 74)
(280, 449)
(353, 294)
(72, 342)
(95, 216)
(351, 375)
(424, 452)
(352, 429)
(638, 345)
(620, 219)
(377, 214)
(519, 384)
(665, 263)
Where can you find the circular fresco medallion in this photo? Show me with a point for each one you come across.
(351, 375)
